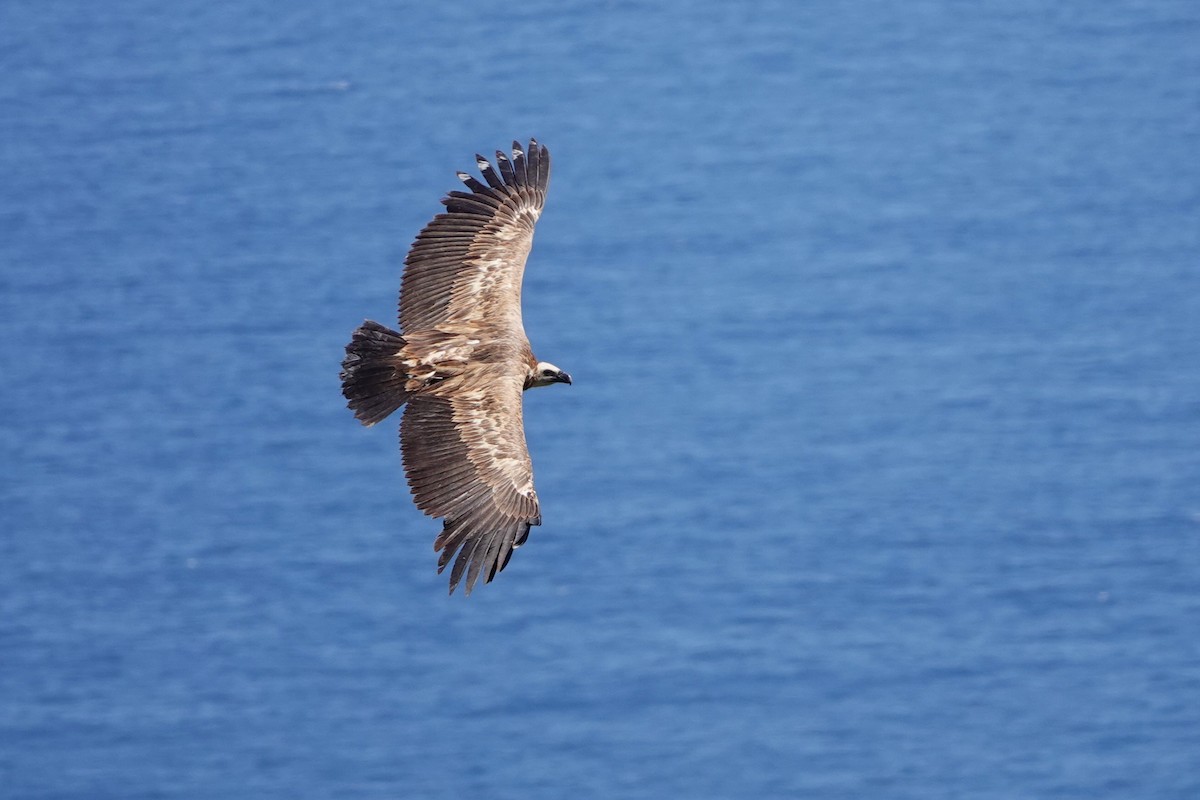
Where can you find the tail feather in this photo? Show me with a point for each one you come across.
(372, 374)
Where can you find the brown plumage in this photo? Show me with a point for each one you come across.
(461, 361)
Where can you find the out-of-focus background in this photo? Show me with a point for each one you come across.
(879, 476)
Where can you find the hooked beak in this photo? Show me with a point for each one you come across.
(563, 377)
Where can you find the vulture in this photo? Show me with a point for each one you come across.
(459, 362)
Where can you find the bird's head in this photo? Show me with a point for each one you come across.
(545, 374)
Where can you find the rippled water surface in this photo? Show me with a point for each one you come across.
(879, 476)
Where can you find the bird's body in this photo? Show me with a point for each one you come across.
(460, 361)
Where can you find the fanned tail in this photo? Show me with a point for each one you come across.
(372, 373)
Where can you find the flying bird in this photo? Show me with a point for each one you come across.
(460, 360)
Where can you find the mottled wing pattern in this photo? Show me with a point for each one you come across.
(466, 265)
(467, 462)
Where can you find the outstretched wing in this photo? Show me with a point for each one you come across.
(467, 462)
(466, 265)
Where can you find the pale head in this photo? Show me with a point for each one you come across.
(545, 374)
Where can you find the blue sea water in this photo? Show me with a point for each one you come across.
(879, 476)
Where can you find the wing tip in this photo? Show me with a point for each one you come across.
(478, 555)
(526, 167)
